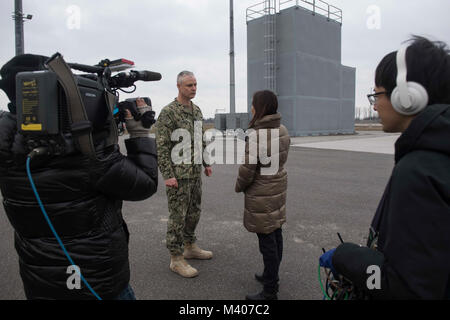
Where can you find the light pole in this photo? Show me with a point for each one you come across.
(232, 77)
(19, 18)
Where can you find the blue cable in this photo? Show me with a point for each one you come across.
(54, 231)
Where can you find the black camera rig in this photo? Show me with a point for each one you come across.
(338, 287)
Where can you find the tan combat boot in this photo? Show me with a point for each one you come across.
(180, 266)
(192, 251)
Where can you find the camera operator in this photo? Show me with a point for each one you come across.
(83, 199)
(409, 242)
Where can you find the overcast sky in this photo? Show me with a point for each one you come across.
(168, 36)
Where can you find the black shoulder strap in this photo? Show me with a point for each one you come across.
(81, 127)
(113, 133)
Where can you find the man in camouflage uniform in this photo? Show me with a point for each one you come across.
(181, 170)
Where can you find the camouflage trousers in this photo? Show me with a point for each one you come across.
(184, 214)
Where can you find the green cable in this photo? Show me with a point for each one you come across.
(325, 293)
(332, 297)
(321, 286)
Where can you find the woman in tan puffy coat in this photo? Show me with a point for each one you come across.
(263, 180)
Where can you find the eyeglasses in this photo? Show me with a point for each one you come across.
(374, 97)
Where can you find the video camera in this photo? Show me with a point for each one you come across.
(47, 104)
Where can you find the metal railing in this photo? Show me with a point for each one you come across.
(320, 7)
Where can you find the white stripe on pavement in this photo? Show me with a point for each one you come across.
(384, 145)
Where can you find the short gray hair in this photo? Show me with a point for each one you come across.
(183, 74)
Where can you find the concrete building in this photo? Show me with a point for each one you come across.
(231, 121)
(294, 49)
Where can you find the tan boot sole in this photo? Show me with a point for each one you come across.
(198, 256)
(192, 274)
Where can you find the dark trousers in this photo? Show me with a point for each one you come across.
(127, 294)
(271, 248)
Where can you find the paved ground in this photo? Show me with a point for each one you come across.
(330, 191)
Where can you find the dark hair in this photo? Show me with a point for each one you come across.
(428, 63)
(265, 103)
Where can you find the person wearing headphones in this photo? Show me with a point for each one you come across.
(409, 240)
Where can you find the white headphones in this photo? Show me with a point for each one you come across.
(408, 98)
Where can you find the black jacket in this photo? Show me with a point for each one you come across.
(83, 199)
(413, 218)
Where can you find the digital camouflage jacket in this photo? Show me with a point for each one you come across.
(180, 152)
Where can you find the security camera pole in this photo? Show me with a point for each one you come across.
(19, 17)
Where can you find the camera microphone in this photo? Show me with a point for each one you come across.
(127, 79)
